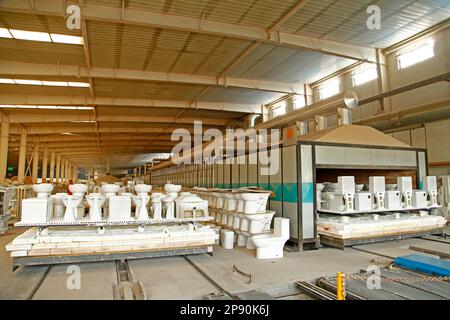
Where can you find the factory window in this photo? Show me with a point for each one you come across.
(329, 89)
(299, 101)
(416, 54)
(279, 110)
(364, 75)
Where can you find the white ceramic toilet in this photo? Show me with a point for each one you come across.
(270, 246)
(42, 190)
(71, 202)
(95, 201)
(169, 208)
(58, 204)
(141, 200)
(109, 190)
(78, 190)
(172, 190)
(254, 203)
(156, 206)
(259, 222)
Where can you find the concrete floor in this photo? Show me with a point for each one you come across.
(176, 278)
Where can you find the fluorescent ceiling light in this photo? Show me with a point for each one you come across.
(30, 35)
(55, 83)
(67, 108)
(45, 107)
(61, 38)
(39, 36)
(4, 33)
(2, 80)
(48, 107)
(78, 84)
(26, 107)
(45, 83)
(31, 82)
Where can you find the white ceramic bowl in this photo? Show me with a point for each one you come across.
(359, 187)
(78, 188)
(142, 188)
(110, 188)
(172, 187)
(391, 186)
(43, 188)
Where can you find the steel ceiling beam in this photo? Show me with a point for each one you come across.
(25, 99)
(43, 70)
(160, 20)
(55, 117)
(86, 129)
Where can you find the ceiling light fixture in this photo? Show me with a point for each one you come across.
(11, 81)
(10, 106)
(62, 38)
(45, 83)
(30, 82)
(30, 35)
(4, 33)
(55, 83)
(40, 36)
(78, 84)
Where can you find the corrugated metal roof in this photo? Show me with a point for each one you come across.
(284, 64)
(144, 89)
(345, 20)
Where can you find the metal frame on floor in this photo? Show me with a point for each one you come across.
(342, 243)
(64, 259)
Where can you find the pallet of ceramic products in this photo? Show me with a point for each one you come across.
(347, 231)
(87, 242)
(105, 222)
(351, 212)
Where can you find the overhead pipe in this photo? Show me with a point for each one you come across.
(347, 100)
(418, 117)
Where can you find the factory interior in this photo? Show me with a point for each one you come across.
(225, 150)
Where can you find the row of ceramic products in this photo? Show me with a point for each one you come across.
(244, 221)
(111, 206)
(345, 195)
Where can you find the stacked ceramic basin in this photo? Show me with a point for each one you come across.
(242, 211)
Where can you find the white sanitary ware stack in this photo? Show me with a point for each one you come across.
(243, 216)
(141, 201)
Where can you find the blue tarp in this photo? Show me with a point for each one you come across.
(424, 264)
